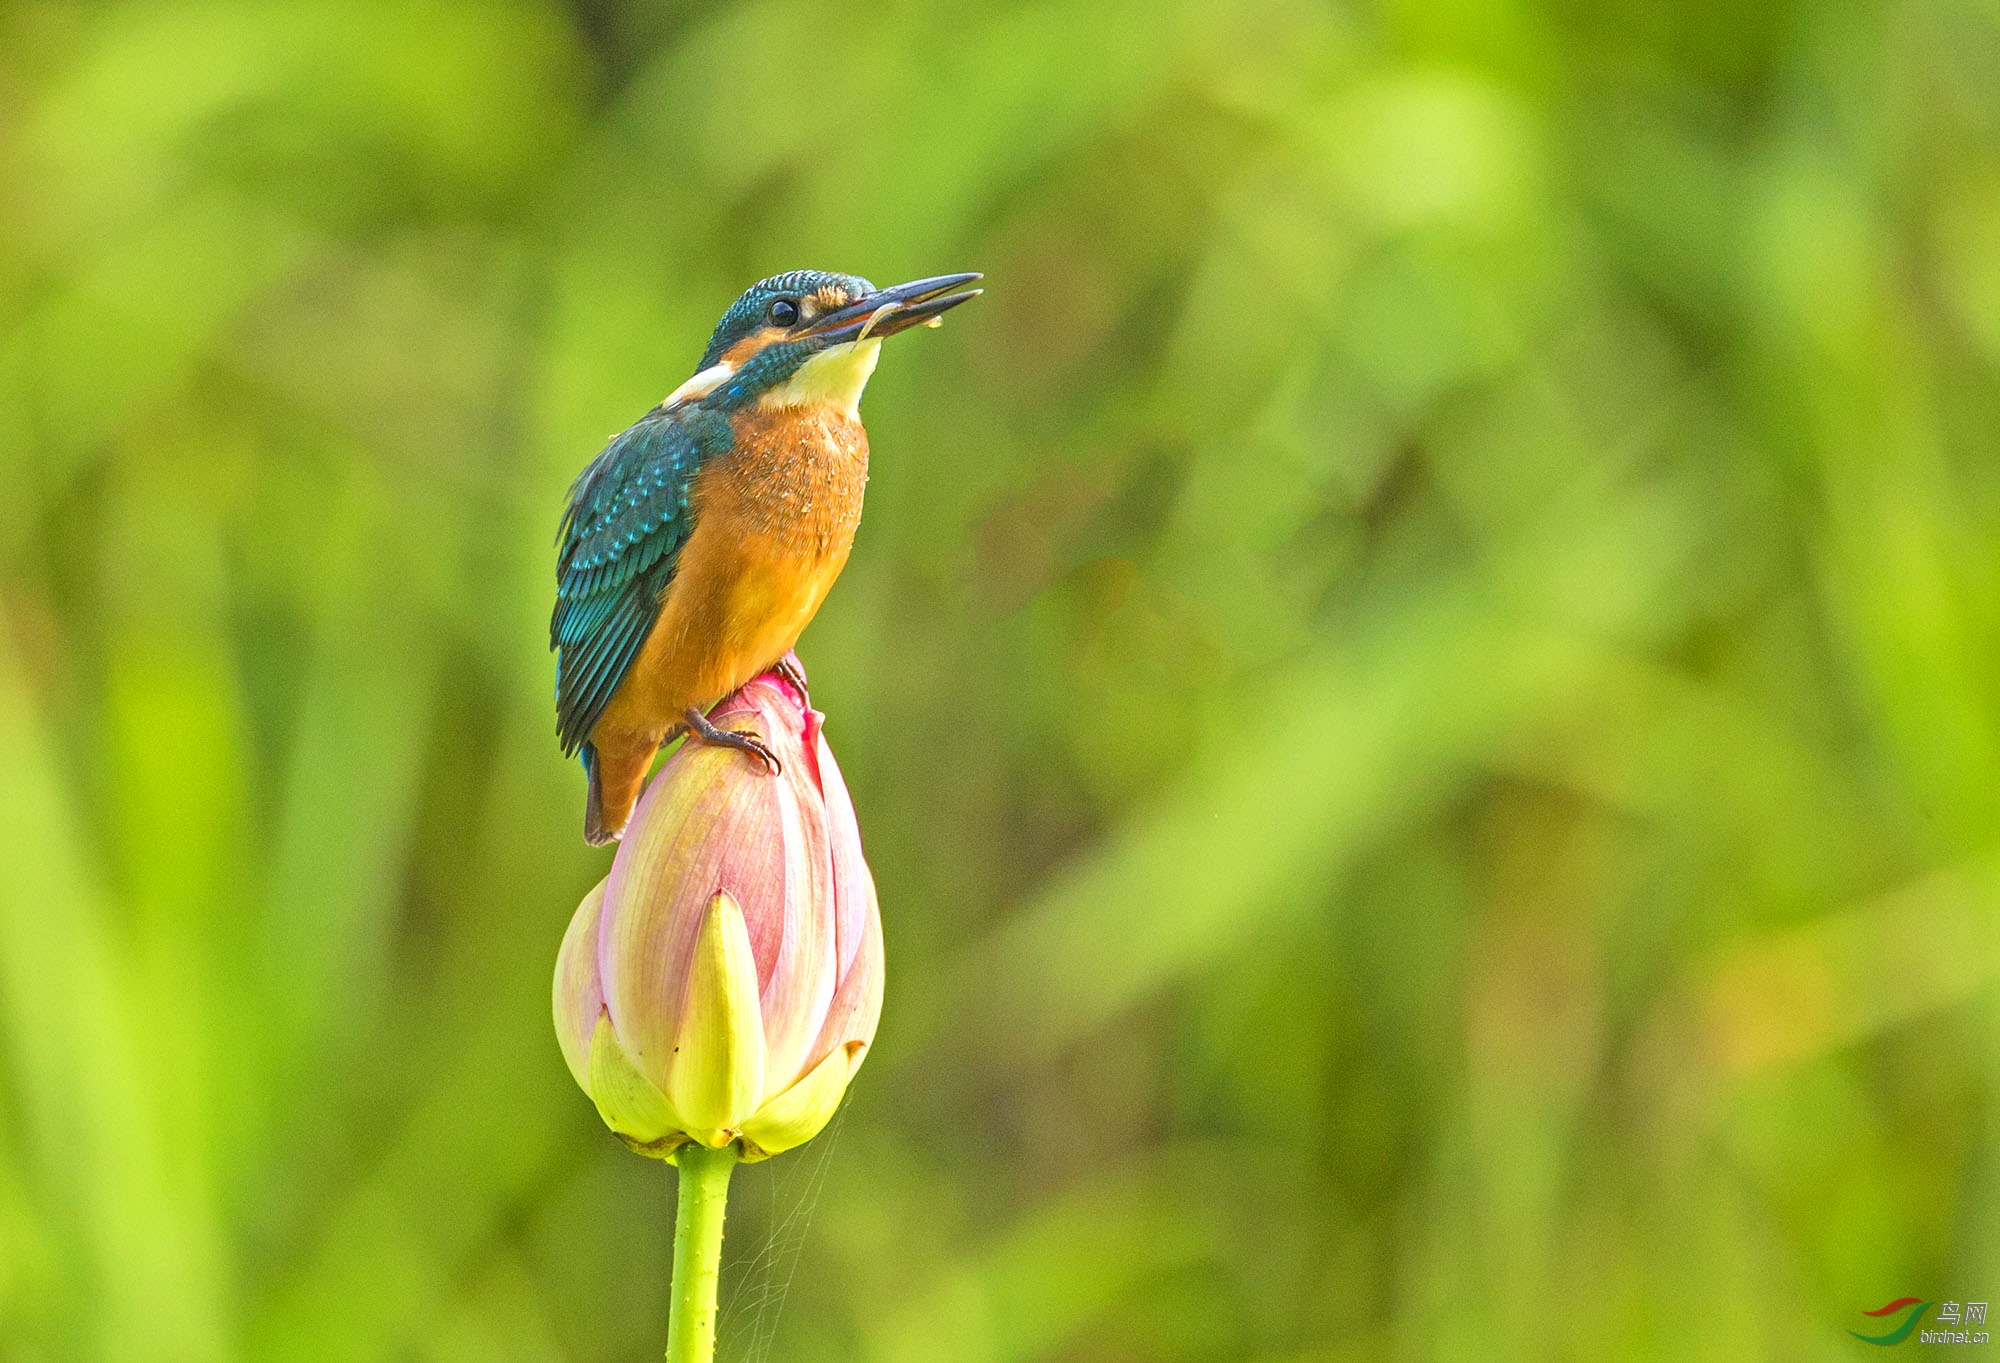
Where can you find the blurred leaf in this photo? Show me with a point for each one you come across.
(1420, 673)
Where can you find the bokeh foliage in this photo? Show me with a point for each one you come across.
(1421, 673)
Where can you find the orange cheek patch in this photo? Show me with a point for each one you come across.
(740, 353)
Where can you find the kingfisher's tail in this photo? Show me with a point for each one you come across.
(594, 831)
(617, 774)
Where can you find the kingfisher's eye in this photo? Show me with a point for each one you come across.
(784, 312)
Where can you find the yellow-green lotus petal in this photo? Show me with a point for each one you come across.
(717, 1072)
(579, 1002)
(625, 1098)
(801, 1111)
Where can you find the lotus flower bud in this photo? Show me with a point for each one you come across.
(723, 982)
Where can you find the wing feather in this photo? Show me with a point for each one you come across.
(629, 515)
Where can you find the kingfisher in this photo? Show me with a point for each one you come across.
(700, 541)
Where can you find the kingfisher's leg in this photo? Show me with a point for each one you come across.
(792, 671)
(700, 726)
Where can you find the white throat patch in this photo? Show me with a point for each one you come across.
(834, 377)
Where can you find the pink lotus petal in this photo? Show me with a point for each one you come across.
(786, 850)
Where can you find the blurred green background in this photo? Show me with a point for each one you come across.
(1422, 674)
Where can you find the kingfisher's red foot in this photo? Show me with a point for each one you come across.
(792, 671)
(699, 725)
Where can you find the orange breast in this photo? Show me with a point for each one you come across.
(775, 518)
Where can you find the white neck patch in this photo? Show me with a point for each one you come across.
(701, 385)
(834, 378)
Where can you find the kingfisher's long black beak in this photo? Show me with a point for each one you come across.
(888, 311)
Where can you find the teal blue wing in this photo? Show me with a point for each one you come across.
(629, 516)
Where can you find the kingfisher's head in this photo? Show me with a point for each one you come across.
(809, 337)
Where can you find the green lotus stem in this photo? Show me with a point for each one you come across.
(704, 1188)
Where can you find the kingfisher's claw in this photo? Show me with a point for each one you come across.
(701, 727)
(788, 667)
